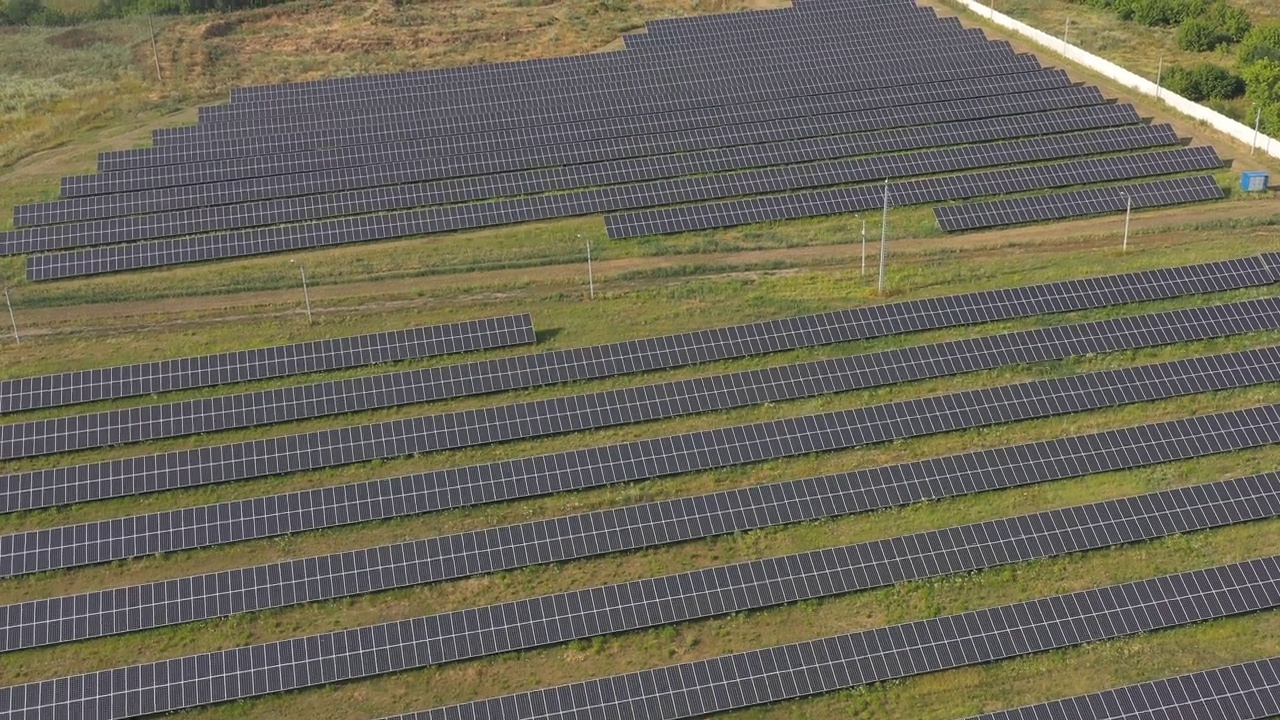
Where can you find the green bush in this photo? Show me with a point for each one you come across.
(20, 12)
(1163, 13)
(1260, 43)
(1205, 81)
(1262, 78)
(1220, 24)
(1233, 23)
(1198, 35)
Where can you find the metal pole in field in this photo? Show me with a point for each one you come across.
(1128, 212)
(154, 52)
(1159, 75)
(1257, 123)
(17, 340)
(591, 278)
(306, 294)
(864, 246)
(884, 229)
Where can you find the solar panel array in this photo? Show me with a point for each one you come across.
(789, 671)
(539, 418)
(414, 386)
(477, 632)
(450, 557)
(1248, 691)
(1077, 203)
(157, 686)
(478, 484)
(843, 94)
(124, 381)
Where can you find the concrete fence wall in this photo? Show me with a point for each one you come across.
(1195, 110)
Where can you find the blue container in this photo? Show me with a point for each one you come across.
(1253, 181)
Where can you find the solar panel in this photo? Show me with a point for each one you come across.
(540, 418)
(240, 243)
(1004, 142)
(494, 482)
(639, 74)
(535, 622)
(361, 141)
(1247, 691)
(789, 671)
(910, 192)
(187, 417)
(279, 361)
(431, 158)
(464, 554)
(426, 492)
(1004, 632)
(604, 160)
(1077, 203)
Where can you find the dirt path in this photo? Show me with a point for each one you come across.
(374, 295)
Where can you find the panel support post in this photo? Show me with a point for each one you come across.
(17, 340)
(591, 278)
(884, 230)
(1128, 212)
(306, 294)
(864, 246)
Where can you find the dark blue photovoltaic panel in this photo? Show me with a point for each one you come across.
(536, 622)
(280, 361)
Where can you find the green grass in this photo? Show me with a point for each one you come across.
(645, 287)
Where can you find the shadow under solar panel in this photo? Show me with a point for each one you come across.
(539, 418)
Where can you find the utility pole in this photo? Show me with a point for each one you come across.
(17, 340)
(306, 294)
(591, 279)
(864, 246)
(1257, 124)
(884, 229)
(1128, 212)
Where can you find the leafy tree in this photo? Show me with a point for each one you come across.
(1262, 78)
(1233, 23)
(1166, 13)
(1198, 35)
(1205, 81)
(1261, 43)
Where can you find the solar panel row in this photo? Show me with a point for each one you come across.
(540, 418)
(748, 210)
(242, 243)
(1076, 203)
(591, 68)
(524, 624)
(842, 661)
(326, 86)
(826, 49)
(726, 147)
(1248, 691)
(422, 385)
(408, 136)
(363, 166)
(787, 81)
(46, 391)
(479, 484)
(517, 176)
(636, 71)
(449, 557)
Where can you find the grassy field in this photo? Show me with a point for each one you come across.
(1132, 45)
(101, 94)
